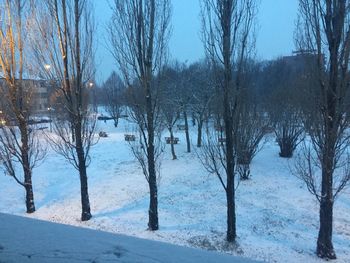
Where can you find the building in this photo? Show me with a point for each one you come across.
(36, 93)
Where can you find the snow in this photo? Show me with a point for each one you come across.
(277, 218)
(54, 243)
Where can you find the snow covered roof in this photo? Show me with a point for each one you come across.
(28, 240)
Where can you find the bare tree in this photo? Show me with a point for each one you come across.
(250, 131)
(113, 89)
(284, 100)
(227, 25)
(203, 89)
(139, 32)
(19, 143)
(324, 29)
(63, 49)
(252, 121)
(170, 102)
(185, 102)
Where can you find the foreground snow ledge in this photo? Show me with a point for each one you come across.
(28, 240)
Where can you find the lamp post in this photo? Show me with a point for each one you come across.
(92, 92)
(47, 67)
(49, 109)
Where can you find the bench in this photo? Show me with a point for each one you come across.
(102, 134)
(168, 140)
(104, 118)
(129, 137)
(218, 128)
(181, 127)
(222, 140)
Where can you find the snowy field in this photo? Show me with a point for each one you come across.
(277, 218)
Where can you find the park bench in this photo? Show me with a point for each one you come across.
(168, 140)
(181, 127)
(222, 140)
(102, 134)
(104, 118)
(129, 137)
(219, 127)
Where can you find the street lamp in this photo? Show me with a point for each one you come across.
(49, 109)
(47, 67)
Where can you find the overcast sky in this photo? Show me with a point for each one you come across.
(276, 22)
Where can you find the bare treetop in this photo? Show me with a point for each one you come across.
(241, 21)
(126, 35)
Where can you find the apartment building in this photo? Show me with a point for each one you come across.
(35, 91)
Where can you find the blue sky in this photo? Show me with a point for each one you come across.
(276, 23)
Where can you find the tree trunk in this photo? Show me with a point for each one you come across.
(26, 166)
(172, 144)
(244, 171)
(230, 186)
(286, 147)
(231, 215)
(29, 195)
(115, 119)
(199, 133)
(324, 242)
(153, 205)
(330, 116)
(193, 120)
(228, 116)
(152, 180)
(187, 133)
(85, 202)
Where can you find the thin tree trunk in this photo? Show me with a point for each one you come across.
(29, 194)
(231, 215)
(228, 119)
(172, 144)
(26, 167)
(325, 247)
(187, 133)
(85, 202)
(152, 182)
(199, 133)
(324, 241)
(153, 205)
(27, 178)
(230, 190)
(116, 122)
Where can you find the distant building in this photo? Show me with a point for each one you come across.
(300, 61)
(38, 90)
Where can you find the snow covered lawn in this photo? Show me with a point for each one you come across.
(277, 218)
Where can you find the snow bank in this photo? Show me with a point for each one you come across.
(27, 240)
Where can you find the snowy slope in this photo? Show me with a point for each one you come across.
(277, 219)
(53, 243)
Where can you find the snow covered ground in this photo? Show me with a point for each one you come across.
(277, 218)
